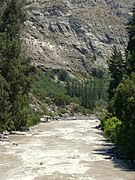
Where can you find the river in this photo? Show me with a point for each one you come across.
(61, 150)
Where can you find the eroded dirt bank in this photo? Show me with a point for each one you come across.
(62, 150)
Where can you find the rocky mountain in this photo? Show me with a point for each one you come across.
(75, 34)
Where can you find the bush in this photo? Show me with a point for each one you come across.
(51, 74)
(112, 128)
(124, 108)
(5, 106)
(80, 109)
(33, 117)
(62, 111)
(62, 100)
(44, 87)
(63, 75)
(98, 73)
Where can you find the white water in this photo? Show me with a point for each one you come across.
(62, 150)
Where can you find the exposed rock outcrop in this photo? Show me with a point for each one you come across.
(75, 34)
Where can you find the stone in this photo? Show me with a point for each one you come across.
(76, 35)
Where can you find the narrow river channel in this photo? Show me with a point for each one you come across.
(61, 150)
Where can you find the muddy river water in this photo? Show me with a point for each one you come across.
(61, 150)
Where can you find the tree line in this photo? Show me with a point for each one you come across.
(119, 123)
(90, 92)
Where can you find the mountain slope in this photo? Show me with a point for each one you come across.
(75, 34)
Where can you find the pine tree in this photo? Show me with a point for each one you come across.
(117, 70)
(14, 67)
(130, 52)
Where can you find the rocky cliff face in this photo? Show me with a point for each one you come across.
(75, 34)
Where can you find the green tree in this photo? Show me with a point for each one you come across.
(130, 52)
(112, 128)
(4, 104)
(124, 109)
(116, 69)
(14, 66)
(122, 96)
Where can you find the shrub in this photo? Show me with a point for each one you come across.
(124, 109)
(63, 75)
(33, 117)
(51, 74)
(112, 128)
(62, 100)
(62, 111)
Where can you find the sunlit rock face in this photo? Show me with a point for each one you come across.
(75, 34)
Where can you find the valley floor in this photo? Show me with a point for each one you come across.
(61, 150)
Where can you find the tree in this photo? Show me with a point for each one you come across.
(119, 123)
(124, 109)
(116, 69)
(4, 104)
(130, 52)
(14, 66)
